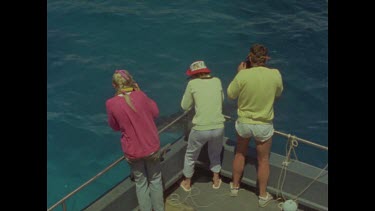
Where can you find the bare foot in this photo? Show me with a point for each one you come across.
(216, 182)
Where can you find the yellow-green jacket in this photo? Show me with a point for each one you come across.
(207, 97)
(256, 89)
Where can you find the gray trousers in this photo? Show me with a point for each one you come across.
(149, 187)
(197, 138)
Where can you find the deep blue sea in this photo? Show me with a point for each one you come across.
(156, 42)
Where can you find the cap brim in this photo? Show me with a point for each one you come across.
(204, 70)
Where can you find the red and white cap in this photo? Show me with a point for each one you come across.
(197, 67)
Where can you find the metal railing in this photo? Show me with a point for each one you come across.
(302, 140)
(296, 138)
(63, 200)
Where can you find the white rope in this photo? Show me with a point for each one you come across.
(315, 179)
(292, 143)
(176, 201)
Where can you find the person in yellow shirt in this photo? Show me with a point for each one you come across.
(205, 93)
(256, 88)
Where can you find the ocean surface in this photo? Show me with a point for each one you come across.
(156, 42)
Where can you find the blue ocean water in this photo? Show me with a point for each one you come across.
(88, 40)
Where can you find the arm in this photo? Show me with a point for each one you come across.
(222, 96)
(241, 66)
(136, 87)
(111, 119)
(152, 105)
(233, 89)
(280, 87)
(222, 92)
(154, 108)
(187, 99)
(278, 92)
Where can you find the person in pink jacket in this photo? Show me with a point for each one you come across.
(133, 113)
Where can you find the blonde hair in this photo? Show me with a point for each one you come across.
(123, 82)
(201, 75)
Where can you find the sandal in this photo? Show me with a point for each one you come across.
(233, 190)
(214, 187)
(263, 201)
(184, 188)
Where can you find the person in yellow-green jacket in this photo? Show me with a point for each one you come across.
(256, 88)
(205, 93)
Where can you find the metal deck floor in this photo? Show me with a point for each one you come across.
(204, 198)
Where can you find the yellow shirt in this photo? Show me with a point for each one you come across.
(256, 89)
(207, 97)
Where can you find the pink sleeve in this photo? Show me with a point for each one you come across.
(111, 119)
(154, 108)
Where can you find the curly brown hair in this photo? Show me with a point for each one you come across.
(258, 55)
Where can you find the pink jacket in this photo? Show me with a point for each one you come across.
(139, 135)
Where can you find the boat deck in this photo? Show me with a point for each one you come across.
(294, 179)
(203, 197)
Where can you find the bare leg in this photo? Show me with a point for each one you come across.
(239, 159)
(263, 153)
(216, 179)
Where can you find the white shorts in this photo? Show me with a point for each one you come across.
(261, 132)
